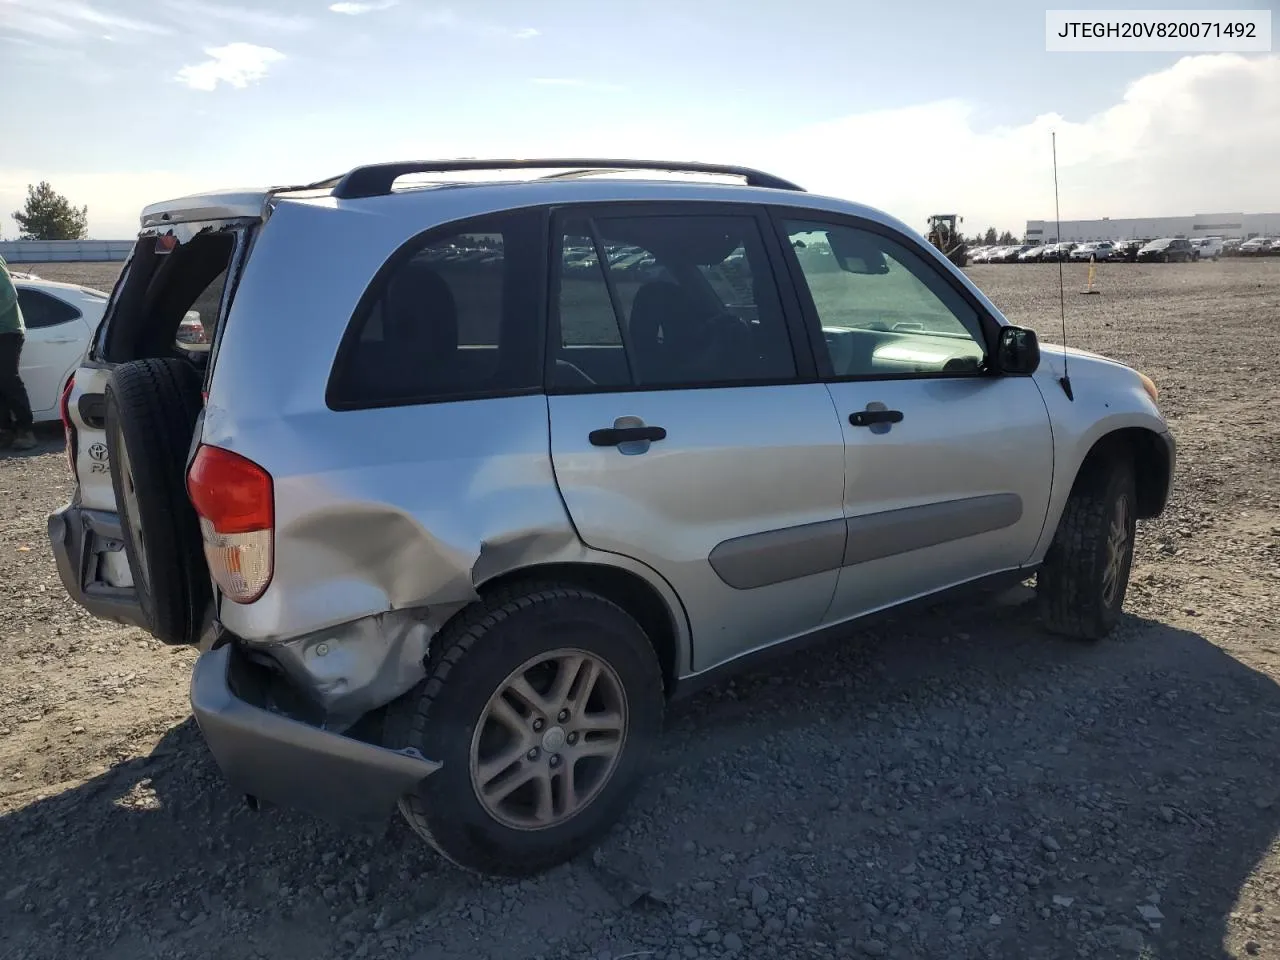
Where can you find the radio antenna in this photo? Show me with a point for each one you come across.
(1065, 380)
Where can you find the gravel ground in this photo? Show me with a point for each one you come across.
(958, 784)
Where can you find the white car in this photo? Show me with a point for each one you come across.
(1207, 248)
(60, 320)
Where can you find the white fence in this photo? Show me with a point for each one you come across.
(63, 251)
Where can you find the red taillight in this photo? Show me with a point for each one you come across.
(68, 428)
(234, 494)
(235, 500)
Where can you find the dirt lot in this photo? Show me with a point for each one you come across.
(956, 785)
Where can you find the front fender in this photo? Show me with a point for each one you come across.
(1108, 397)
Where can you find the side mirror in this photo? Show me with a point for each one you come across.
(1017, 351)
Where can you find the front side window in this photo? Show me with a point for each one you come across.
(883, 309)
(456, 317)
(667, 301)
(41, 310)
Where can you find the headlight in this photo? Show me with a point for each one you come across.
(1149, 385)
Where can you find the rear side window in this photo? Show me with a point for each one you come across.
(668, 301)
(455, 316)
(41, 310)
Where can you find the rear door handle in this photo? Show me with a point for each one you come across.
(613, 436)
(865, 418)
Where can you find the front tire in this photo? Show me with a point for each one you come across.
(1082, 584)
(543, 704)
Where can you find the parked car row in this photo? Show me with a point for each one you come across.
(1256, 247)
(1144, 250)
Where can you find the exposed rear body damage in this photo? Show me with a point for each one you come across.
(462, 482)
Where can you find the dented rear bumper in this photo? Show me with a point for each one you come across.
(288, 762)
(80, 539)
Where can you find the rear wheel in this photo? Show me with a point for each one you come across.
(543, 704)
(1085, 576)
(151, 410)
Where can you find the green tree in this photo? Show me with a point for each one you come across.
(1007, 239)
(48, 215)
(990, 238)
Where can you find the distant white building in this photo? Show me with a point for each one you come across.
(1225, 225)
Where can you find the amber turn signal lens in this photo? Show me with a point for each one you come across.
(1149, 385)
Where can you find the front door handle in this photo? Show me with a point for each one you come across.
(866, 418)
(613, 436)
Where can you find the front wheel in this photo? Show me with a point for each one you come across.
(542, 704)
(1082, 584)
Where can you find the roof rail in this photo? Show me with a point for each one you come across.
(328, 183)
(376, 179)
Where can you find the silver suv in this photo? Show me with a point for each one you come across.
(459, 483)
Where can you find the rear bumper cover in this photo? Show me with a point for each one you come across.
(77, 536)
(291, 763)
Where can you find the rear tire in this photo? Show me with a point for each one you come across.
(470, 694)
(151, 410)
(1081, 586)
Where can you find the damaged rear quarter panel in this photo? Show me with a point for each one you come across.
(378, 509)
(400, 507)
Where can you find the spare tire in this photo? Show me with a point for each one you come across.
(152, 406)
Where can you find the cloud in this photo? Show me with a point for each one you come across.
(211, 13)
(1193, 138)
(353, 9)
(1196, 137)
(68, 20)
(236, 64)
(446, 19)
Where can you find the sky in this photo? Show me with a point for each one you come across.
(927, 107)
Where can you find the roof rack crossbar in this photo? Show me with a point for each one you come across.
(376, 179)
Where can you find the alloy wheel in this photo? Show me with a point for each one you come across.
(549, 739)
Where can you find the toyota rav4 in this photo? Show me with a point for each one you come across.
(471, 478)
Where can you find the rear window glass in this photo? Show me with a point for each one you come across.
(456, 316)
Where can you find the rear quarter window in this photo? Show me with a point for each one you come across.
(39, 309)
(456, 314)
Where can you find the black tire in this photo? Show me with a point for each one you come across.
(1072, 583)
(151, 410)
(471, 659)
